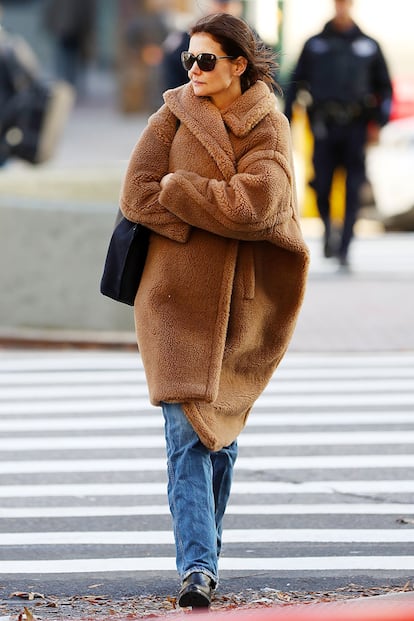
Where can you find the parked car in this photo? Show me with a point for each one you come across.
(390, 163)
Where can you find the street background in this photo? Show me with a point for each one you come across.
(370, 308)
(323, 494)
(57, 217)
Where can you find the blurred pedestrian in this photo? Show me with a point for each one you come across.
(33, 113)
(344, 72)
(71, 24)
(177, 41)
(143, 34)
(19, 71)
(211, 176)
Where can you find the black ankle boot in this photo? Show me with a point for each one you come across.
(196, 591)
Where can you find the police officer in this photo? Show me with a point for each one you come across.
(349, 92)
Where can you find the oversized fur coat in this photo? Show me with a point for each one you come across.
(226, 268)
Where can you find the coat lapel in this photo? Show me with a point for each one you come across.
(209, 125)
(205, 122)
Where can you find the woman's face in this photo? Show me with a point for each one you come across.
(222, 84)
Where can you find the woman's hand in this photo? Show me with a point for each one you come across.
(165, 179)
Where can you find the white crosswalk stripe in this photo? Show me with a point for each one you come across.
(159, 564)
(232, 509)
(324, 479)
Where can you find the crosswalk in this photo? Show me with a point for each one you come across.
(324, 481)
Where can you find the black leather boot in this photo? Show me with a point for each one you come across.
(196, 591)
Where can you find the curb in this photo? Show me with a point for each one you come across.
(66, 339)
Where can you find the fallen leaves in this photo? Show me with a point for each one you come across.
(97, 600)
(405, 521)
(29, 595)
(26, 615)
(284, 597)
(92, 606)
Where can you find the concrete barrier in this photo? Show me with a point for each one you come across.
(51, 257)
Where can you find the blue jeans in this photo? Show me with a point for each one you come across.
(199, 483)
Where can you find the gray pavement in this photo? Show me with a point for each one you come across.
(368, 309)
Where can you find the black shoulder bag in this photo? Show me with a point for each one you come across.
(125, 261)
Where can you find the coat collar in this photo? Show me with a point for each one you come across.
(208, 124)
(249, 109)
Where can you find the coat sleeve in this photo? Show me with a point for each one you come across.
(139, 201)
(251, 204)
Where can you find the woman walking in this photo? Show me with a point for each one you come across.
(212, 177)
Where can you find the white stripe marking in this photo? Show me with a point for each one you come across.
(138, 376)
(238, 487)
(305, 462)
(318, 563)
(53, 362)
(162, 537)
(135, 377)
(155, 420)
(75, 405)
(66, 361)
(336, 399)
(264, 402)
(62, 392)
(278, 388)
(381, 563)
(81, 443)
(232, 509)
(342, 438)
(322, 509)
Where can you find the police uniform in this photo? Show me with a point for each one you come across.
(347, 79)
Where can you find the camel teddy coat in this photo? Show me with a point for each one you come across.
(226, 267)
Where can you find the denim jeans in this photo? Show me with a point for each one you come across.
(199, 482)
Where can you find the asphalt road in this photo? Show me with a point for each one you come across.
(323, 484)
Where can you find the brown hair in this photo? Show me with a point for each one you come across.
(237, 39)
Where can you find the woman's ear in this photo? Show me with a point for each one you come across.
(240, 65)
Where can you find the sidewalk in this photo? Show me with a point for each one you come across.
(368, 310)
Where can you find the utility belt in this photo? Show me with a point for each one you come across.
(337, 112)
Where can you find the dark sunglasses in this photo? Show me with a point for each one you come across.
(205, 61)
